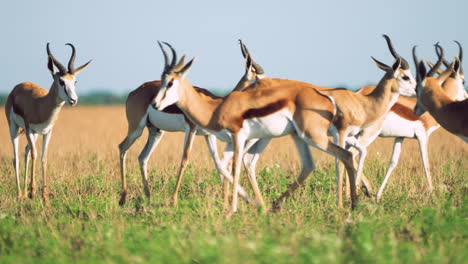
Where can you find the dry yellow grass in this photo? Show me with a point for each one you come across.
(85, 224)
(87, 136)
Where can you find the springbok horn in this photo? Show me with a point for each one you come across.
(444, 61)
(258, 69)
(174, 56)
(439, 62)
(71, 62)
(460, 55)
(416, 64)
(166, 59)
(244, 53)
(56, 62)
(404, 63)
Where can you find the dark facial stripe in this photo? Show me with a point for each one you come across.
(266, 110)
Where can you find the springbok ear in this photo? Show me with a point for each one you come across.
(180, 64)
(380, 64)
(50, 65)
(431, 65)
(422, 70)
(183, 72)
(82, 67)
(396, 64)
(456, 65)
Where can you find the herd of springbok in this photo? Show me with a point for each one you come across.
(258, 109)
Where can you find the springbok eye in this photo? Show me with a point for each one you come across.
(169, 85)
(61, 82)
(406, 78)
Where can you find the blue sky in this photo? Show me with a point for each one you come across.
(327, 43)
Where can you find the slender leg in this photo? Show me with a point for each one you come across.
(422, 139)
(339, 176)
(347, 158)
(32, 142)
(15, 141)
(391, 166)
(27, 152)
(154, 137)
(123, 148)
(221, 166)
(45, 145)
(188, 142)
(250, 162)
(307, 167)
(362, 155)
(239, 143)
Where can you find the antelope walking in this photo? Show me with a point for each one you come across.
(450, 114)
(35, 110)
(141, 114)
(401, 123)
(357, 111)
(268, 108)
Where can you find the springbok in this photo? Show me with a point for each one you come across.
(268, 108)
(35, 110)
(357, 111)
(450, 114)
(401, 123)
(141, 114)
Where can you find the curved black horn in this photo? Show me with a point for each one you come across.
(166, 58)
(71, 62)
(174, 56)
(460, 55)
(56, 62)
(440, 54)
(444, 61)
(404, 63)
(416, 63)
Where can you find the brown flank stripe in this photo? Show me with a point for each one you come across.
(266, 110)
(404, 112)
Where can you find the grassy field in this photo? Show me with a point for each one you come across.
(85, 224)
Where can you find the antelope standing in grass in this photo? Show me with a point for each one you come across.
(141, 114)
(450, 114)
(35, 110)
(271, 108)
(357, 111)
(401, 123)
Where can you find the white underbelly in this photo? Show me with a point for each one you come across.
(396, 126)
(274, 125)
(41, 129)
(165, 121)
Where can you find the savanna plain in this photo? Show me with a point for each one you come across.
(85, 224)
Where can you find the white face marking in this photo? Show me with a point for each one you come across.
(67, 90)
(167, 94)
(407, 84)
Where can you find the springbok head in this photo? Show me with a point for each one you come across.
(428, 79)
(173, 79)
(65, 79)
(400, 71)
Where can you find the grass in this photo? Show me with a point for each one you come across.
(84, 223)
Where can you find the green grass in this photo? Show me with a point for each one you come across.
(84, 223)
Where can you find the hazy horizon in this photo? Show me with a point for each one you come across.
(324, 43)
